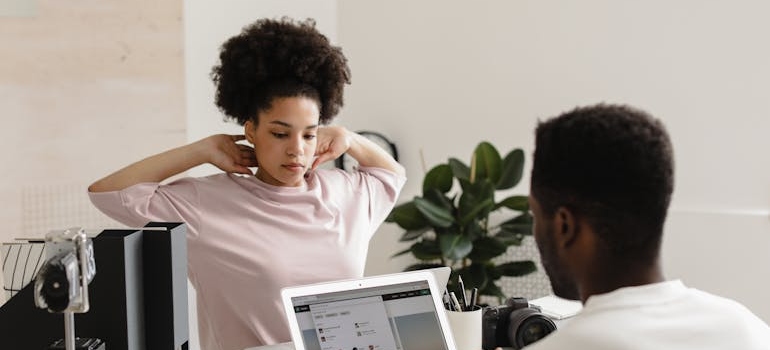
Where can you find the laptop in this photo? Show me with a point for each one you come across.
(401, 311)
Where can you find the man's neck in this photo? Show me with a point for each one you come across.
(609, 279)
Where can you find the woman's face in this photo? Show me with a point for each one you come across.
(284, 140)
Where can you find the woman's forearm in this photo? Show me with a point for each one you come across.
(153, 169)
(369, 154)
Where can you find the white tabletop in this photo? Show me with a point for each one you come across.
(281, 346)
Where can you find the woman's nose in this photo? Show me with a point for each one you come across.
(295, 147)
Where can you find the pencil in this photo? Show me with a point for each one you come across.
(462, 288)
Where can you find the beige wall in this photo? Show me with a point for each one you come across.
(84, 87)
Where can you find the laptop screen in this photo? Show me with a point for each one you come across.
(391, 317)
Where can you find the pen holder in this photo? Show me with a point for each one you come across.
(466, 328)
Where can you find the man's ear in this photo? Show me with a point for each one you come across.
(565, 227)
(249, 129)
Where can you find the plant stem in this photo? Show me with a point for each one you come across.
(422, 161)
(473, 168)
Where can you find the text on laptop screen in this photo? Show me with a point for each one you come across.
(393, 317)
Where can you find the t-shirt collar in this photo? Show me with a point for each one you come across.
(284, 189)
(653, 293)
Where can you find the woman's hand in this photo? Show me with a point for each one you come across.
(227, 154)
(333, 141)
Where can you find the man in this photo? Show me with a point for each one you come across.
(601, 185)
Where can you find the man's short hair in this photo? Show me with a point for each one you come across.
(611, 165)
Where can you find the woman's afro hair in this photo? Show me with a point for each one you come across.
(279, 58)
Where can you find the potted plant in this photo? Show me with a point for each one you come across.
(449, 224)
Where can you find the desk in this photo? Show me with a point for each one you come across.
(564, 309)
(290, 345)
(281, 346)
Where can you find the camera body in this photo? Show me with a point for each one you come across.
(61, 285)
(514, 325)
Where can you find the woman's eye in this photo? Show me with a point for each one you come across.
(278, 135)
(309, 137)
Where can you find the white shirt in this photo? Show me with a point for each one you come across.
(659, 316)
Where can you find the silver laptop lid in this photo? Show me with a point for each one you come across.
(401, 311)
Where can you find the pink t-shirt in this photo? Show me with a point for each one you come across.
(247, 239)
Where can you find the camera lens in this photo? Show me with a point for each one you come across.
(56, 286)
(527, 326)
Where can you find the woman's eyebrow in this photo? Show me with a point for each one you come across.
(278, 122)
(285, 124)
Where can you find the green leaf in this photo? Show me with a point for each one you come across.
(523, 218)
(459, 169)
(481, 189)
(486, 248)
(454, 229)
(427, 249)
(492, 271)
(515, 240)
(478, 194)
(493, 290)
(439, 178)
(437, 197)
(518, 203)
(488, 163)
(454, 246)
(474, 275)
(508, 229)
(512, 169)
(479, 211)
(407, 217)
(413, 234)
(474, 229)
(422, 266)
(517, 268)
(436, 215)
(407, 250)
(510, 238)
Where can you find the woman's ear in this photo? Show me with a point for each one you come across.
(250, 130)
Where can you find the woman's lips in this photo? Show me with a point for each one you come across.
(294, 167)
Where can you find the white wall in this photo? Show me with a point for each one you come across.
(440, 76)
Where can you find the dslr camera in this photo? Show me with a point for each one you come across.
(515, 324)
(61, 285)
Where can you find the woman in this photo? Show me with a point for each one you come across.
(250, 234)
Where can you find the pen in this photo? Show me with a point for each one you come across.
(474, 297)
(462, 289)
(447, 301)
(455, 302)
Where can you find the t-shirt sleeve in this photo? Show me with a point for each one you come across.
(141, 203)
(383, 187)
